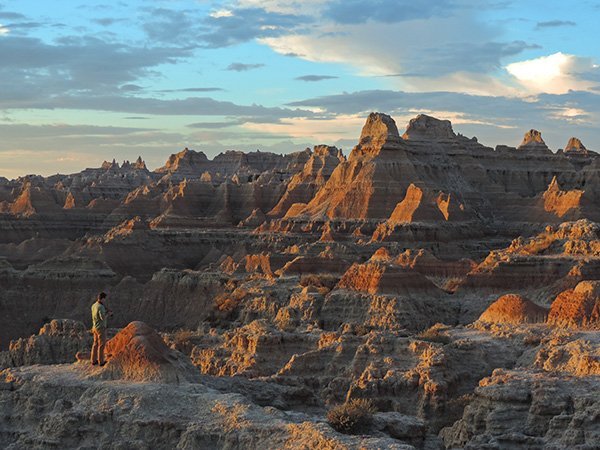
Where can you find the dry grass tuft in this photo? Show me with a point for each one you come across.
(353, 417)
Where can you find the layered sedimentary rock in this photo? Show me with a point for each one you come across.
(315, 173)
(404, 274)
(514, 409)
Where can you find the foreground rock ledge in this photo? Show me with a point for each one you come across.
(62, 406)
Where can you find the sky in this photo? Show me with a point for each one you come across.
(82, 82)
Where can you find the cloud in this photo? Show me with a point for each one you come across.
(141, 105)
(246, 24)
(3, 30)
(213, 125)
(386, 11)
(555, 23)
(556, 74)
(170, 26)
(33, 132)
(319, 130)
(458, 64)
(241, 67)
(8, 15)
(194, 89)
(315, 78)
(107, 21)
(74, 64)
(305, 7)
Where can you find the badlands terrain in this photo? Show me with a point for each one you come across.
(454, 286)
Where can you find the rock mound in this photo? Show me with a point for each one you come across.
(513, 309)
(579, 307)
(381, 278)
(138, 353)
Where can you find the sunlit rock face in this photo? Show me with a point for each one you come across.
(513, 309)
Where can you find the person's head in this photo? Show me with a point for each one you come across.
(101, 297)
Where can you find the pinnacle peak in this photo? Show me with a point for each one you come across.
(575, 146)
(533, 137)
(379, 126)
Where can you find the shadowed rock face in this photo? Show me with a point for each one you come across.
(57, 342)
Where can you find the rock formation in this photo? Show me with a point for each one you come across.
(414, 276)
(579, 307)
(513, 309)
(138, 353)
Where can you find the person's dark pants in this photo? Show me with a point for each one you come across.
(98, 345)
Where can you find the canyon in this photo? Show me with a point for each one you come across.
(454, 286)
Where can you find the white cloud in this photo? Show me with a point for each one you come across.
(221, 13)
(441, 59)
(553, 74)
(309, 7)
(316, 130)
(3, 30)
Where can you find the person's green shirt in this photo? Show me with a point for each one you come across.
(99, 316)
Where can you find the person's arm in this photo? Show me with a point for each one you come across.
(102, 313)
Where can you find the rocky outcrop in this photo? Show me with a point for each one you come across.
(138, 353)
(427, 128)
(513, 309)
(315, 173)
(57, 342)
(560, 202)
(528, 409)
(44, 405)
(579, 307)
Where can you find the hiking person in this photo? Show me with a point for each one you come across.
(100, 315)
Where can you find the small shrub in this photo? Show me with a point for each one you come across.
(319, 280)
(352, 417)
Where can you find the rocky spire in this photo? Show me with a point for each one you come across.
(379, 128)
(576, 147)
(139, 164)
(533, 141)
(379, 131)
